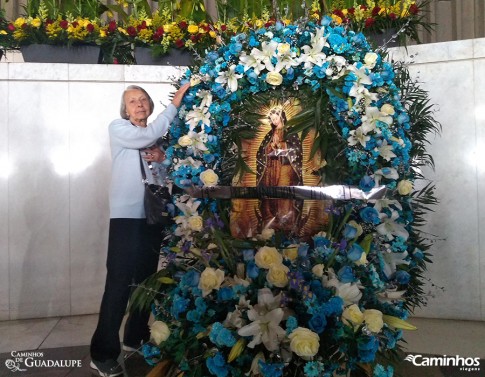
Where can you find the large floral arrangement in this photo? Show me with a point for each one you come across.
(275, 304)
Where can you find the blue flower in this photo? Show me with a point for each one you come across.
(303, 249)
(355, 252)
(334, 306)
(349, 231)
(291, 324)
(366, 348)
(317, 323)
(366, 183)
(402, 277)
(191, 278)
(252, 270)
(370, 215)
(179, 305)
(217, 365)
(271, 370)
(338, 43)
(225, 294)
(221, 336)
(248, 254)
(346, 275)
(314, 369)
(381, 371)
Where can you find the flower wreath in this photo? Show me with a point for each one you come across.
(274, 305)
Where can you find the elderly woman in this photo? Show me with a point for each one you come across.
(133, 245)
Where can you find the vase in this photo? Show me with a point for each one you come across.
(144, 56)
(378, 39)
(39, 53)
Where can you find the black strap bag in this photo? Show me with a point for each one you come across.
(156, 201)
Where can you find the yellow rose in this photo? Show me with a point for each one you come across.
(159, 332)
(36, 22)
(336, 19)
(19, 22)
(195, 223)
(370, 59)
(259, 23)
(266, 256)
(212, 33)
(102, 33)
(304, 342)
(209, 178)
(274, 78)
(185, 141)
(167, 28)
(193, 29)
(387, 109)
(291, 252)
(278, 275)
(284, 48)
(210, 279)
(3, 32)
(373, 320)
(318, 270)
(352, 315)
(404, 187)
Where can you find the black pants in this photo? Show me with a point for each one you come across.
(133, 252)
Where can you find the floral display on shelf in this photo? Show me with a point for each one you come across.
(276, 304)
(186, 25)
(368, 16)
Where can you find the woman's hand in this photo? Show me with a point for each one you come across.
(179, 94)
(154, 154)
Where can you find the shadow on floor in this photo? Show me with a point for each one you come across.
(77, 359)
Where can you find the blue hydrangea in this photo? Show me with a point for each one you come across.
(271, 370)
(221, 336)
(217, 365)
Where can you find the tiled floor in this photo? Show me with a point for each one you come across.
(67, 338)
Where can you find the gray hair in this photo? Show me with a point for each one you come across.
(123, 104)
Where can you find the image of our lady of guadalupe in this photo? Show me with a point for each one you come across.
(279, 163)
(278, 159)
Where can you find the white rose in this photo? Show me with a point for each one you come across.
(387, 109)
(404, 187)
(274, 78)
(185, 141)
(210, 279)
(304, 342)
(373, 320)
(267, 256)
(209, 178)
(283, 48)
(370, 59)
(195, 223)
(159, 332)
(353, 315)
(318, 270)
(278, 275)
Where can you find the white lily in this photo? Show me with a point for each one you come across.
(385, 151)
(199, 140)
(390, 228)
(379, 204)
(314, 55)
(361, 73)
(349, 292)
(363, 98)
(197, 115)
(265, 318)
(336, 67)
(189, 161)
(372, 116)
(250, 61)
(187, 205)
(358, 136)
(391, 260)
(264, 56)
(206, 96)
(389, 173)
(229, 78)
